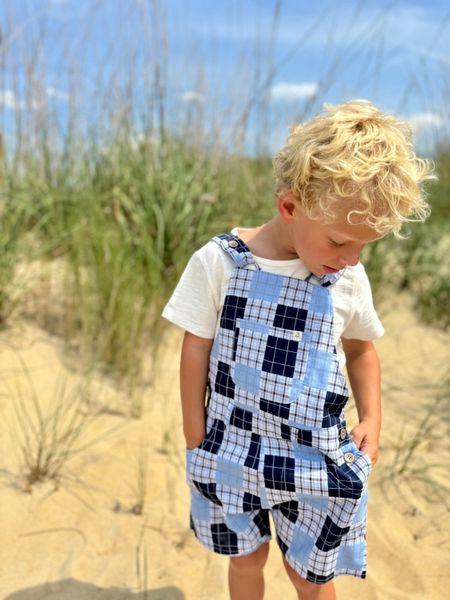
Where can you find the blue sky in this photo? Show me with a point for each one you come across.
(240, 70)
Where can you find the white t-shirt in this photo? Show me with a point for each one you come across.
(197, 301)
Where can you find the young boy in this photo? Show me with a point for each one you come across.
(272, 314)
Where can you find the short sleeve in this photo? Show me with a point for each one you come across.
(194, 304)
(364, 323)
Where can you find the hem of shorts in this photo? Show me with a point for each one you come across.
(360, 574)
(262, 542)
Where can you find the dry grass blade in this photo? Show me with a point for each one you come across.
(405, 466)
(50, 431)
(142, 565)
(141, 485)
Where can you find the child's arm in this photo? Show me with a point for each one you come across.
(193, 380)
(363, 369)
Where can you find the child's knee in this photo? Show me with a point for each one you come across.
(305, 587)
(250, 564)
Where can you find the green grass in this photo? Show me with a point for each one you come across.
(127, 190)
(127, 221)
(419, 263)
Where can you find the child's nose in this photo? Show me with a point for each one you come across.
(350, 258)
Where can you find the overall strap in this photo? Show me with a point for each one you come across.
(236, 249)
(326, 280)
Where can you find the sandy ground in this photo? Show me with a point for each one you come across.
(80, 539)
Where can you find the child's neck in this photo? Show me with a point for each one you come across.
(270, 240)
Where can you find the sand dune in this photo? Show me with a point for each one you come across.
(80, 538)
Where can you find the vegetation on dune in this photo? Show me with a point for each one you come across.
(126, 221)
(118, 195)
(121, 194)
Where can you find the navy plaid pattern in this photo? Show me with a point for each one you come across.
(307, 531)
(276, 436)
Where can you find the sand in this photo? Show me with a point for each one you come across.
(80, 537)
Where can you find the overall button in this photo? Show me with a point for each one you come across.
(233, 244)
(343, 433)
(349, 458)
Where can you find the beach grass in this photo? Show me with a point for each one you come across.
(127, 231)
(48, 436)
(50, 428)
(414, 459)
(125, 192)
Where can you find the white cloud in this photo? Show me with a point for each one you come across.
(423, 121)
(192, 96)
(287, 92)
(53, 92)
(8, 99)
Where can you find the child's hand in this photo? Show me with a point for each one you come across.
(366, 436)
(194, 441)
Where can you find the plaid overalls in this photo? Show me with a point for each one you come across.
(276, 436)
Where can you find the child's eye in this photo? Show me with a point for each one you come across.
(336, 244)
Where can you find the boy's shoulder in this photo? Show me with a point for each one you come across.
(213, 259)
(210, 250)
(354, 281)
(213, 249)
(355, 271)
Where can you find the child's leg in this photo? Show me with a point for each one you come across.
(245, 575)
(307, 590)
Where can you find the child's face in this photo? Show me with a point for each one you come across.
(328, 247)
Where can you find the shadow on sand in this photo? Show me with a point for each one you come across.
(70, 589)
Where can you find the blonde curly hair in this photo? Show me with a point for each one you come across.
(354, 157)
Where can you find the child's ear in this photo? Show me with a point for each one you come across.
(287, 206)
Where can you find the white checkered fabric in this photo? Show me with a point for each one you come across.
(276, 434)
